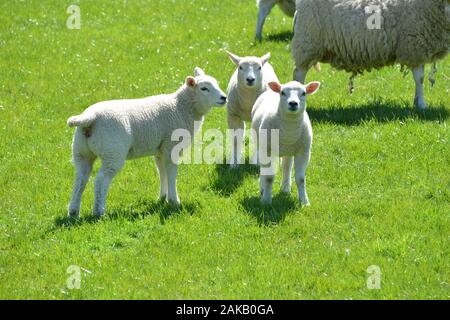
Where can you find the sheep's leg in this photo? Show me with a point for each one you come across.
(264, 8)
(102, 182)
(266, 182)
(286, 164)
(237, 140)
(172, 172)
(301, 162)
(300, 74)
(419, 100)
(267, 176)
(162, 178)
(83, 171)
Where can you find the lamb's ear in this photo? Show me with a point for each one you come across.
(275, 86)
(190, 82)
(265, 58)
(199, 72)
(312, 87)
(236, 59)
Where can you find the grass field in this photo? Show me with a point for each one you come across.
(378, 182)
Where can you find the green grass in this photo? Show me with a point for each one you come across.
(379, 179)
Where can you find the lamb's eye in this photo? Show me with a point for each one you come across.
(259, 68)
(204, 89)
(240, 68)
(282, 93)
(303, 94)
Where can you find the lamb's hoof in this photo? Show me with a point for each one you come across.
(266, 202)
(162, 199)
(286, 189)
(98, 214)
(234, 166)
(73, 214)
(175, 203)
(420, 104)
(305, 204)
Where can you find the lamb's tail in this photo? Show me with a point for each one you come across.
(83, 120)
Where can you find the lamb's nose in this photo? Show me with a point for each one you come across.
(250, 80)
(223, 98)
(293, 105)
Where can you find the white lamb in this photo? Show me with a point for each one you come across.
(118, 130)
(264, 8)
(284, 109)
(346, 34)
(247, 83)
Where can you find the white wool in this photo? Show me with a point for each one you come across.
(410, 32)
(271, 111)
(118, 130)
(241, 96)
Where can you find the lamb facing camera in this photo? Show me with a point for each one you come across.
(283, 109)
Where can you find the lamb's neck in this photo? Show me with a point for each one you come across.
(187, 103)
(248, 95)
(290, 127)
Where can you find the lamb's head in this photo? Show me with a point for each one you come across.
(293, 96)
(206, 91)
(250, 72)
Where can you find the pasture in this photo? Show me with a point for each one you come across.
(378, 180)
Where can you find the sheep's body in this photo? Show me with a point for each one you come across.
(141, 127)
(293, 144)
(242, 96)
(411, 33)
(117, 130)
(264, 8)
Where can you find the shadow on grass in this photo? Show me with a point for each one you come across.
(376, 110)
(284, 36)
(136, 211)
(282, 205)
(227, 180)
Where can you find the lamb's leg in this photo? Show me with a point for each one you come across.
(172, 171)
(264, 8)
(237, 140)
(267, 176)
(419, 100)
(301, 162)
(286, 164)
(83, 168)
(266, 185)
(162, 178)
(300, 74)
(103, 180)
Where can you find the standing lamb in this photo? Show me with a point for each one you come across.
(264, 8)
(247, 83)
(119, 130)
(284, 109)
(340, 32)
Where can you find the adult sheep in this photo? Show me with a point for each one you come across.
(264, 8)
(410, 32)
